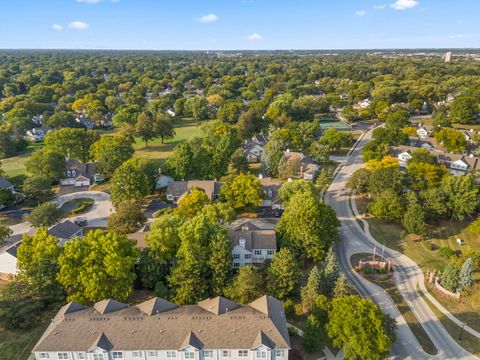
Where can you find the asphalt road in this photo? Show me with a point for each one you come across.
(407, 274)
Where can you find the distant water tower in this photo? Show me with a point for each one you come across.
(448, 56)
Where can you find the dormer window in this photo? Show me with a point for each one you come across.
(189, 355)
(242, 242)
(261, 354)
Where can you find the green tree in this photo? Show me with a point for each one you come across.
(461, 194)
(294, 187)
(38, 265)
(312, 289)
(238, 163)
(133, 180)
(220, 263)
(450, 277)
(308, 226)
(72, 143)
(242, 192)
(5, 232)
(335, 139)
(110, 152)
(163, 126)
(388, 205)
(47, 163)
(342, 288)
(145, 128)
(465, 278)
(359, 327)
(98, 266)
(414, 217)
(464, 110)
(61, 119)
(390, 178)
(45, 215)
(330, 273)
(127, 218)
(359, 180)
(247, 286)
(192, 203)
(164, 238)
(453, 140)
(37, 188)
(150, 271)
(312, 339)
(219, 213)
(282, 274)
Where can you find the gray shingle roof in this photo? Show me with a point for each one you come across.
(129, 328)
(64, 230)
(4, 183)
(254, 239)
(178, 188)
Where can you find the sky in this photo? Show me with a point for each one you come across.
(238, 24)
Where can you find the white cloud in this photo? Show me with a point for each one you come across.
(379, 7)
(360, 13)
(89, 1)
(78, 25)
(404, 4)
(208, 18)
(460, 36)
(255, 37)
(56, 27)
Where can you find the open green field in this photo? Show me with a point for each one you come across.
(185, 129)
(443, 234)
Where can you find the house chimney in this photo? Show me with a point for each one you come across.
(260, 176)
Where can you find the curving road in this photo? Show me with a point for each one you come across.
(407, 273)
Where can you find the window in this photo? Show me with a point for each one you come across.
(189, 355)
(171, 354)
(136, 354)
(248, 256)
(98, 357)
(117, 355)
(226, 353)
(236, 256)
(279, 353)
(258, 252)
(270, 252)
(236, 265)
(62, 356)
(242, 353)
(80, 356)
(43, 356)
(208, 353)
(153, 353)
(261, 354)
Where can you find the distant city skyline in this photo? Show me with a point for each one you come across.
(238, 24)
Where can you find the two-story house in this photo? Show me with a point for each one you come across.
(176, 189)
(460, 164)
(213, 329)
(270, 193)
(78, 174)
(308, 167)
(251, 245)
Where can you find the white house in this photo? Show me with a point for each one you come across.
(308, 168)
(78, 174)
(213, 329)
(252, 245)
(8, 260)
(365, 103)
(424, 131)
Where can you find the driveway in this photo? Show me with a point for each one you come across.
(407, 273)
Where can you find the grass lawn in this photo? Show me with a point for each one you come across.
(185, 129)
(443, 234)
(77, 206)
(17, 345)
(14, 166)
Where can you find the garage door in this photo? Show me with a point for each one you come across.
(82, 183)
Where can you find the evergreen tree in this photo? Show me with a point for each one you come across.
(450, 277)
(466, 274)
(220, 263)
(414, 218)
(330, 273)
(312, 337)
(282, 274)
(342, 287)
(312, 289)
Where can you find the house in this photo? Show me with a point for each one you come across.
(253, 151)
(163, 181)
(170, 112)
(78, 174)
(424, 131)
(427, 143)
(364, 104)
(37, 119)
(8, 260)
(7, 185)
(252, 245)
(308, 168)
(85, 121)
(157, 329)
(65, 231)
(270, 191)
(459, 164)
(176, 189)
(37, 134)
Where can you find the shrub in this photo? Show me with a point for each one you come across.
(289, 307)
(292, 331)
(446, 252)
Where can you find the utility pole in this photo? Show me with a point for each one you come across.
(461, 332)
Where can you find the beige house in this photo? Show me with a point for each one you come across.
(214, 329)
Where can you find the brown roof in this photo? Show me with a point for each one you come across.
(178, 188)
(130, 328)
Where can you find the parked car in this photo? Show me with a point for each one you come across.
(81, 221)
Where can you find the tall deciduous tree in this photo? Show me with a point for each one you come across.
(164, 238)
(37, 188)
(247, 286)
(461, 194)
(163, 126)
(308, 226)
(145, 127)
(360, 328)
(220, 263)
(110, 152)
(45, 215)
(73, 143)
(192, 203)
(98, 266)
(242, 191)
(127, 218)
(47, 163)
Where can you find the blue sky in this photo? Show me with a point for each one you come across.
(238, 24)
